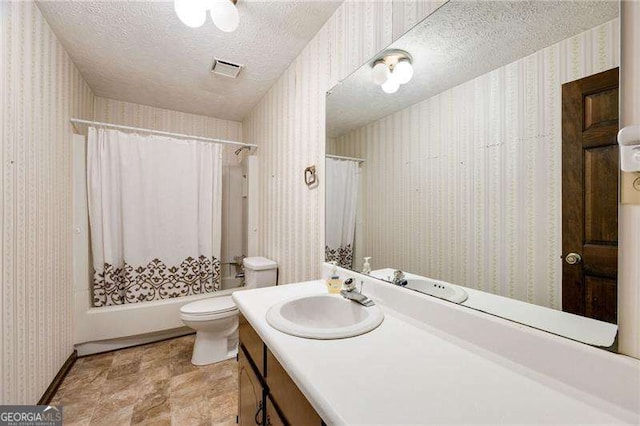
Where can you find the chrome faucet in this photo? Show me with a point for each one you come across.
(354, 295)
(398, 278)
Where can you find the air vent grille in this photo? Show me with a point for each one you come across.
(226, 68)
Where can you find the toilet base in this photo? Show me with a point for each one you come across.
(210, 348)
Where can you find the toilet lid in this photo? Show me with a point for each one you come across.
(258, 263)
(209, 306)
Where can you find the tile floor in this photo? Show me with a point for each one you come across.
(154, 384)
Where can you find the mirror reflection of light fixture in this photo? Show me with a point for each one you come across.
(380, 72)
(193, 13)
(391, 69)
(403, 71)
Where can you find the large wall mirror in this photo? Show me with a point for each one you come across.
(475, 160)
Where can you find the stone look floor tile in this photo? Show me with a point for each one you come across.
(182, 366)
(122, 383)
(223, 408)
(188, 388)
(78, 412)
(195, 414)
(81, 422)
(155, 403)
(120, 370)
(96, 361)
(156, 374)
(154, 384)
(227, 423)
(155, 355)
(120, 416)
(89, 380)
(164, 420)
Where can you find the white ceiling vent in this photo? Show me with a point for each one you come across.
(228, 69)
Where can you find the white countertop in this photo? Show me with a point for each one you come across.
(407, 372)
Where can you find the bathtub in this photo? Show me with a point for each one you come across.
(115, 327)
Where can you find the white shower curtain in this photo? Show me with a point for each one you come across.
(155, 206)
(341, 202)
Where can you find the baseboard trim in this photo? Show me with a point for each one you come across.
(47, 396)
(101, 346)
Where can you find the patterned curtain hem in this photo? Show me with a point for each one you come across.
(343, 256)
(155, 281)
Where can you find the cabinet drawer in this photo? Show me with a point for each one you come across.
(252, 343)
(286, 395)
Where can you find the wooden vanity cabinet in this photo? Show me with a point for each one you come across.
(293, 404)
(267, 395)
(253, 345)
(273, 418)
(252, 393)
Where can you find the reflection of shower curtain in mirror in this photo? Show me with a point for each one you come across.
(155, 206)
(341, 203)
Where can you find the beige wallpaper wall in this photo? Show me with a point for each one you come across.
(471, 189)
(288, 125)
(130, 114)
(40, 89)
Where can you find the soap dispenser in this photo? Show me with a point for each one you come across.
(366, 267)
(334, 284)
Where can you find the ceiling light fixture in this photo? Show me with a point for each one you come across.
(193, 13)
(224, 14)
(391, 69)
(391, 85)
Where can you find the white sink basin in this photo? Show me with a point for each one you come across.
(324, 317)
(438, 289)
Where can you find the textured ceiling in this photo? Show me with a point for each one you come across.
(140, 51)
(458, 42)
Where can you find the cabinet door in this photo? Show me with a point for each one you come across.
(252, 343)
(250, 402)
(292, 403)
(273, 418)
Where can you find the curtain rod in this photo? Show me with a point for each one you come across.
(339, 157)
(158, 132)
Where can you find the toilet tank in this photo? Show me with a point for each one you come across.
(259, 272)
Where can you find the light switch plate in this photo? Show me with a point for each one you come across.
(630, 188)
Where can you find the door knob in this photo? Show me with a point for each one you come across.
(573, 258)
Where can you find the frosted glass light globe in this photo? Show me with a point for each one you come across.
(391, 85)
(190, 12)
(225, 15)
(403, 71)
(380, 73)
(206, 4)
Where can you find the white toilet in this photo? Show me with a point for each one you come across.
(216, 319)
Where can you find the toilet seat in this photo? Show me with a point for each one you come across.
(209, 309)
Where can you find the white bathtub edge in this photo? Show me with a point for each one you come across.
(132, 320)
(91, 348)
